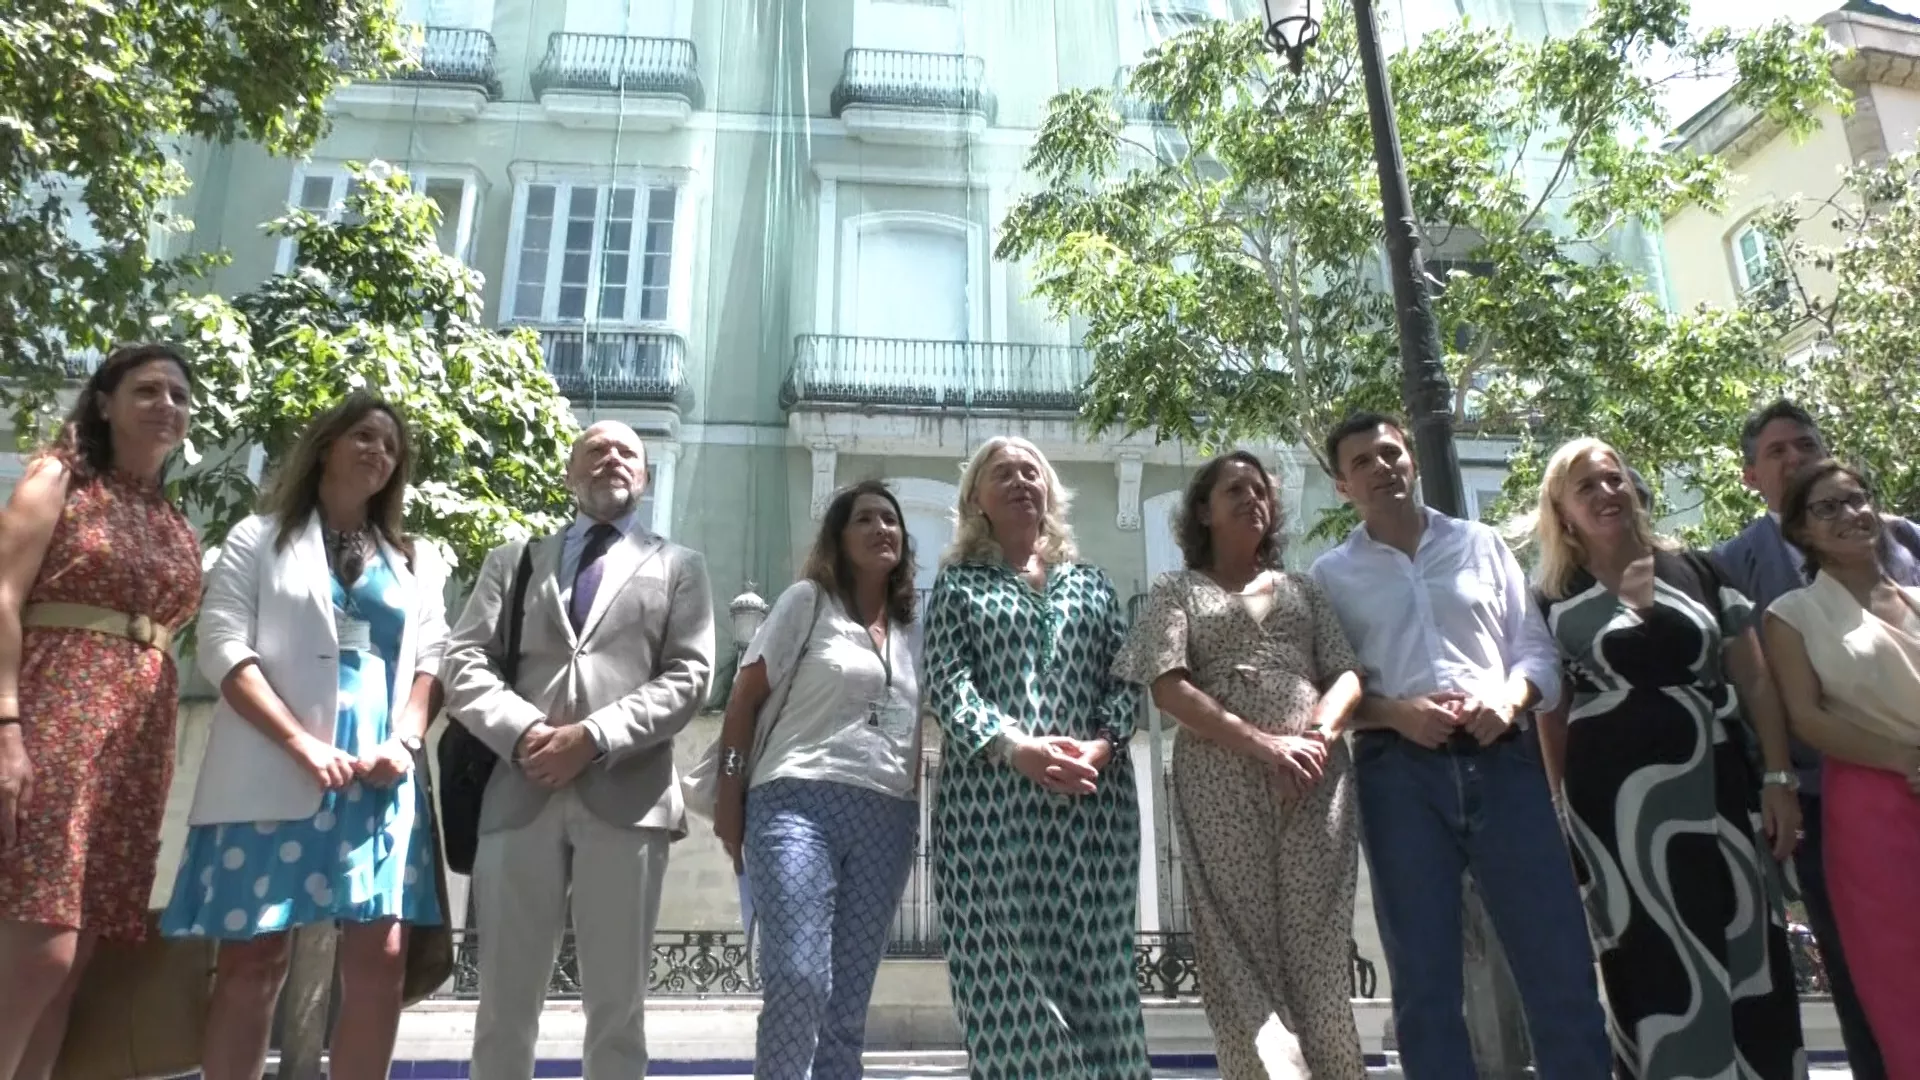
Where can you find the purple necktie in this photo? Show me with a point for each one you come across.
(586, 580)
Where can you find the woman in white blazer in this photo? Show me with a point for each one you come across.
(324, 626)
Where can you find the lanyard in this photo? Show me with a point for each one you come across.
(884, 650)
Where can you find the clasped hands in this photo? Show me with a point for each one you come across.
(1431, 719)
(1060, 764)
(334, 769)
(555, 756)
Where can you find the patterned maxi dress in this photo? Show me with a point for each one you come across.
(365, 855)
(1664, 813)
(100, 713)
(1037, 892)
(1271, 883)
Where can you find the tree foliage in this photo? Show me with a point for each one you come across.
(98, 98)
(1225, 261)
(372, 303)
(1862, 374)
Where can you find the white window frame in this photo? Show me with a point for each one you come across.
(1769, 254)
(1475, 478)
(970, 233)
(644, 182)
(466, 214)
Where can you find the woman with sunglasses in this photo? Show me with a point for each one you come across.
(1845, 651)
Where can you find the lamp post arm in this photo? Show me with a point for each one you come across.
(1424, 389)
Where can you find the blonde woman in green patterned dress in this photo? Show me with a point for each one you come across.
(1036, 827)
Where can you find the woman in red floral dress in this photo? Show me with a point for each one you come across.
(97, 569)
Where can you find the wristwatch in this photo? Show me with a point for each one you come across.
(1781, 778)
(413, 744)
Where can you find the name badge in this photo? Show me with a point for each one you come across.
(895, 719)
(356, 635)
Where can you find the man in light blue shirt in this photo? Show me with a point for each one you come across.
(1456, 656)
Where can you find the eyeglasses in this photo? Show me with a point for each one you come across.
(1829, 509)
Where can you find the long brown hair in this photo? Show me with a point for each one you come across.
(827, 564)
(295, 495)
(84, 443)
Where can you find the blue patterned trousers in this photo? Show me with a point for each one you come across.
(826, 863)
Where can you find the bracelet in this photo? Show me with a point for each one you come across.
(1113, 739)
(10, 720)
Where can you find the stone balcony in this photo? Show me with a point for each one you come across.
(448, 77)
(903, 374)
(608, 81)
(913, 98)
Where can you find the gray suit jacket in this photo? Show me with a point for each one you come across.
(639, 669)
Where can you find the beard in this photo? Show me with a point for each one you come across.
(605, 500)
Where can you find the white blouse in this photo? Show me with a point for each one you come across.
(852, 713)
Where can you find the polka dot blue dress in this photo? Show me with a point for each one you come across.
(366, 855)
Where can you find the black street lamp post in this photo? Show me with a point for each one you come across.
(1291, 29)
(1493, 1008)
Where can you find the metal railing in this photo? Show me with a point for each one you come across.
(891, 78)
(446, 54)
(861, 371)
(612, 64)
(633, 365)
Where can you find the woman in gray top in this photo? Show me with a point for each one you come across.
(822, 819)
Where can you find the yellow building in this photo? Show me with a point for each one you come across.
(1719, 259)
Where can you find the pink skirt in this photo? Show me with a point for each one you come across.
(1873, 874)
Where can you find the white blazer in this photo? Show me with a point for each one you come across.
(275, 607)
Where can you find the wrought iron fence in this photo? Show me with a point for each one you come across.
(935, 374)
(891, 78)
(916, 925)
(446, 54)
(634, 365)
(611, 63)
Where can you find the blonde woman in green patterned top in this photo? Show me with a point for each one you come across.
(1036, 828)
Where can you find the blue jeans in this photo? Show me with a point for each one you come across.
(1430, 816)
(826, 863)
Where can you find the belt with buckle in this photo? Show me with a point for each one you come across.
(140, 629)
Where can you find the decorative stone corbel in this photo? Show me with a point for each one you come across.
(826, 460)
(1127, 470)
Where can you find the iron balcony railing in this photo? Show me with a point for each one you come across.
(630, 365)
(451, 55)
(612, 64)
(914, 80)
(905, 373)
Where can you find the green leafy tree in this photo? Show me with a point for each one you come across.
(1227, 268)
(1861, 376)
(373, 304)
(99, 97)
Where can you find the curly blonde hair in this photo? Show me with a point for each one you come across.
(973, 534)
(1561, 552)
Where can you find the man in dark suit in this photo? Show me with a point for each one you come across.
(1776, 443)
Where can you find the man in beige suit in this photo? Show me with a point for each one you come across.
(616, 654)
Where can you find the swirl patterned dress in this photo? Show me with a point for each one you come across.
(1663, 806)
(100, 713)
(1037, 891)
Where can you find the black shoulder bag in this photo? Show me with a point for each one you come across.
(466, 763)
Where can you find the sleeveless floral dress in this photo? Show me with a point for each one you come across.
(100, 713)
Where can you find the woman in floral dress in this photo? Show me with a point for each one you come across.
(323, 626)
(1254, 665)
(97, 569)
(1036, 827)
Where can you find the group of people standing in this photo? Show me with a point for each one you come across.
(1413, 690)
(323, 624)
